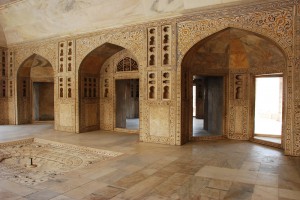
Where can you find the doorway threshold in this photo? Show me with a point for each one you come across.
(269, 141)
(201, 138)
(124, 130)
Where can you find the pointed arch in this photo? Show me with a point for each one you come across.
(226, 52)
(223, 42)
(34, 73)
(90, 84)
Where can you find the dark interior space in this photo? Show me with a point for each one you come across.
(208, 105)
(127, 103)
(43, 101)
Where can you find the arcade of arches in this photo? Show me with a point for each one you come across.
(181, 79)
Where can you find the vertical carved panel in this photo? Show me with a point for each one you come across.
(61, 56)
(152, 46)
(3, 88)
(11, 86)
(239, 87)
(61, 87)
(165, 86)
(297, 127)
(152, 85)
(3, 63)
(69, 87)
(3, 74)
(166, 34)
(70, 55)
(106, 92)
(11, 63)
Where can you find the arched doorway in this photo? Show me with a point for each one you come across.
(109, 90)
(35, 90)
(218, 76)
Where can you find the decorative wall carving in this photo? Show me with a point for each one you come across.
(273, 21)
(127, 64)
(166, 85)
(152, 85)
(122, 65)
(153, 44)
(166, 34)
(239, 85)
(62, 56)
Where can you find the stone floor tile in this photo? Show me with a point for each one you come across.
(62, 197)
(7, 195)
(265, 193)
(95, 174)
(219, 184)
(130, 180)
(289, 194)
(250, 166)
(240, 191)
(200, 170)
(270, 180)
(43, 194)
(244, 176)
(192, 188)
(269, 168)
(141, 189)
(85, 190)
(210, 193)
(112, 177)
(288, 184)
(16, 188)
(107, 192)
(217, 173)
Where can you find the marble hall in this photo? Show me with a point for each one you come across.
(152, 99)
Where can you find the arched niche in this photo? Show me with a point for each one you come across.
(119, 93)
(95, 90)
(226, 54)
(35, 90)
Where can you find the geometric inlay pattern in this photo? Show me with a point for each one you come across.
(32, 161)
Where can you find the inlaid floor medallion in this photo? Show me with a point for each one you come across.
(32, 161)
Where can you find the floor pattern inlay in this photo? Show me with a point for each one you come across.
(32, 161)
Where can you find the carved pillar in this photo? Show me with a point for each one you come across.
(65, 87)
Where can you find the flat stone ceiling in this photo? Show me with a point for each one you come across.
(28, 20)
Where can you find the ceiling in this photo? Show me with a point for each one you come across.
(29, 20)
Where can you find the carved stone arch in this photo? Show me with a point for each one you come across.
(270, 37)
(131, 47)
(83, 50)
(46, 51)
(35, 60)
(34, 76)
(117, 58)
(266, 35)
(90, 80)
(197, 48)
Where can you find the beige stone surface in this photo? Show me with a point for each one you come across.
(138, 174)
(237, 41)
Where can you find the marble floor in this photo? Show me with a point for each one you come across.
(223, 169)
(198, 130)
(133, 124)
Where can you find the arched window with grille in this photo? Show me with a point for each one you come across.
(127, 64)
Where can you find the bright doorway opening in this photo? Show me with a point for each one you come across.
(268, 108)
